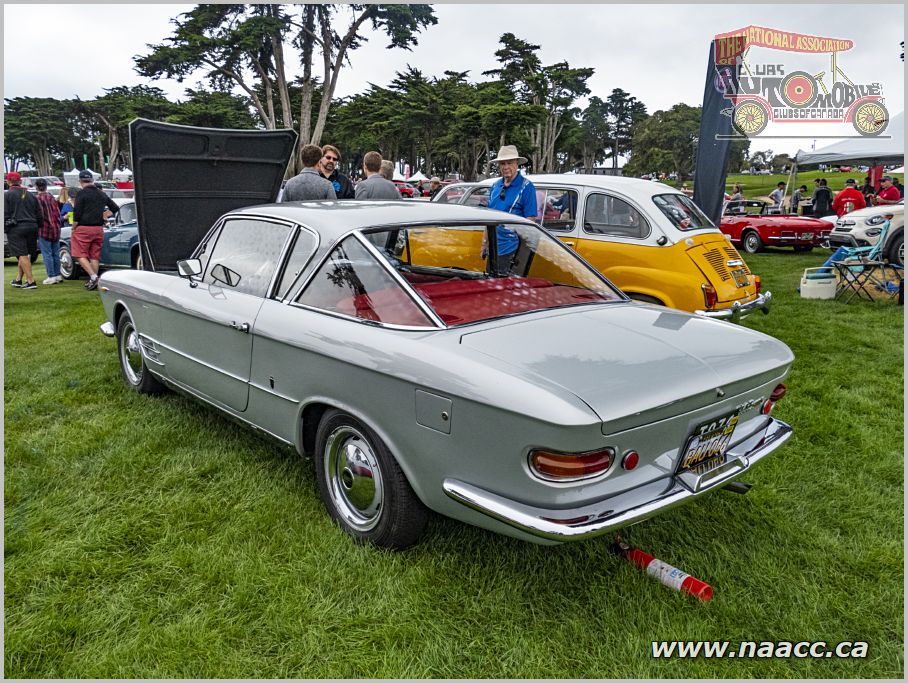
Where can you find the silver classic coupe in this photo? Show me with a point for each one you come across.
(428, 356)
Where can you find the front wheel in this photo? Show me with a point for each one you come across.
(752, 243)
(896, 250)
(362, 486)
(132, 364)
(69, 269)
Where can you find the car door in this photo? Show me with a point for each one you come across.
(208, 324)
(120, 238)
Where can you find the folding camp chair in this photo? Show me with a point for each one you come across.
(863, 273)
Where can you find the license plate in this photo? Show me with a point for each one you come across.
(740, 277)
(807, 236)
(705, 449)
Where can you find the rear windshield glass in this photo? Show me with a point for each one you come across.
(468, 273)
(682, 212)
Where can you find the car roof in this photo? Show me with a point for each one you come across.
(334, 218)
(631, 186)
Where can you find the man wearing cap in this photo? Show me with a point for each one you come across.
(889, 193)
(434, 186)
(512, 193)
(91, 210)
(22, 217)
(848, 200)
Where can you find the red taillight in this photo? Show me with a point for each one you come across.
(630, 460)
(571, 466)
(758, 283)
(710, 296)
(774, 397)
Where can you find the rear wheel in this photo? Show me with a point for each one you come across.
(363, 487)
(644, 298)
(752, 243)
(132, 363)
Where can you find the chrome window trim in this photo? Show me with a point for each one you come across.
(407, 287)
(626, 200)
(363, 321)
(318, 241)
(565, 187)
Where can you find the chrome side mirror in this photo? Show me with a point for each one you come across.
(189, 268)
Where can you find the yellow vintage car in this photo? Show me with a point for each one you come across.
(649, 239)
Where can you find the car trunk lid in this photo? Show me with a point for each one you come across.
(187, 177)
(723, 267)
(633, 363)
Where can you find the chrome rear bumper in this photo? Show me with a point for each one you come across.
(739, 310)
(607, 515)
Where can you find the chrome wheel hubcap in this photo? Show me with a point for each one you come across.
(131, 355)
(354, 478)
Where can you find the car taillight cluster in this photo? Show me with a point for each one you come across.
(710, 296)
(556, 466)
(774, 398)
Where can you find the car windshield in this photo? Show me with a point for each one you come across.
(450, 269)
(682, 212)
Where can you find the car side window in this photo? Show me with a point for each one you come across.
(557, 208)
(303, 248)
(608, 215)
(352, 282)
(127, 214)
(479, 197)
(449, 195)
(248, 252)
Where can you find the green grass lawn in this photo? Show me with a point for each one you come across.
(150, 537)
(761, 185)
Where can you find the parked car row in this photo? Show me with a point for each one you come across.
(542, 404)
(120, 248)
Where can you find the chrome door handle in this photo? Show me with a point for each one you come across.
(570, 244)
(242, 327)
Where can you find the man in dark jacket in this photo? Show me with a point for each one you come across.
(343, 188)
(23, 218)
(822, 199)
(91, 211)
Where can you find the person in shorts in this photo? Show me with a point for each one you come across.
(91, 211)
(22, 217)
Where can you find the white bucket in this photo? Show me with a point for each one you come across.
(820, 286)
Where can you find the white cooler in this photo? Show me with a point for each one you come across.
(817, 285)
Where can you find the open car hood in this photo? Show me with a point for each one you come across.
(187, 177)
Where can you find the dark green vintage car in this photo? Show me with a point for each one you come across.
(120, 248)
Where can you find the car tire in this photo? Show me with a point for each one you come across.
(644, 298)
(895, 252)
(69, 269)
(132, 363)
(371, 498)
(751, 242)
(803, 248)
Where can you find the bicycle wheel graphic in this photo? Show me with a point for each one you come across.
(750, 118)
(799, 89)
(870, 118)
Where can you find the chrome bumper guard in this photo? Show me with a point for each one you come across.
(108, 329)
(739, 310)
(603, 517)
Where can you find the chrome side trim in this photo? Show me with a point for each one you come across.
(244, 380)
(739, 310)
(603, 516)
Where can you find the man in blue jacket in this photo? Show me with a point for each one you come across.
(512, 193)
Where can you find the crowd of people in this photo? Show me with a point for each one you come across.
(33, 222)
(823, 202)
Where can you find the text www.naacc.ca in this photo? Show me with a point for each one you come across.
(783, 649)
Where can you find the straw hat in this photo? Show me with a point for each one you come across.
(507, 153)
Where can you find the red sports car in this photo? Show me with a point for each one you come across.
(406, 189)
(750, 225)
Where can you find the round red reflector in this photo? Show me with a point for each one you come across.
(630, 460)
(767, 407)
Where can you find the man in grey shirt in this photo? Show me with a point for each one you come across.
(309, 184)
(375, 186)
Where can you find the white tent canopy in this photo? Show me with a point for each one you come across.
(417, 177)
(888, 148)
(122, 174)
(398, 175)
(900, 169)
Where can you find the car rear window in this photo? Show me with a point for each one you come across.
(682, 212)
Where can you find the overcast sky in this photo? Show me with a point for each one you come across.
(657, 53)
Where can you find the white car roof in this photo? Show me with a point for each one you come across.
(631, 187)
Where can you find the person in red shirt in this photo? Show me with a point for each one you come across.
(889, 193)
(848, 200)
